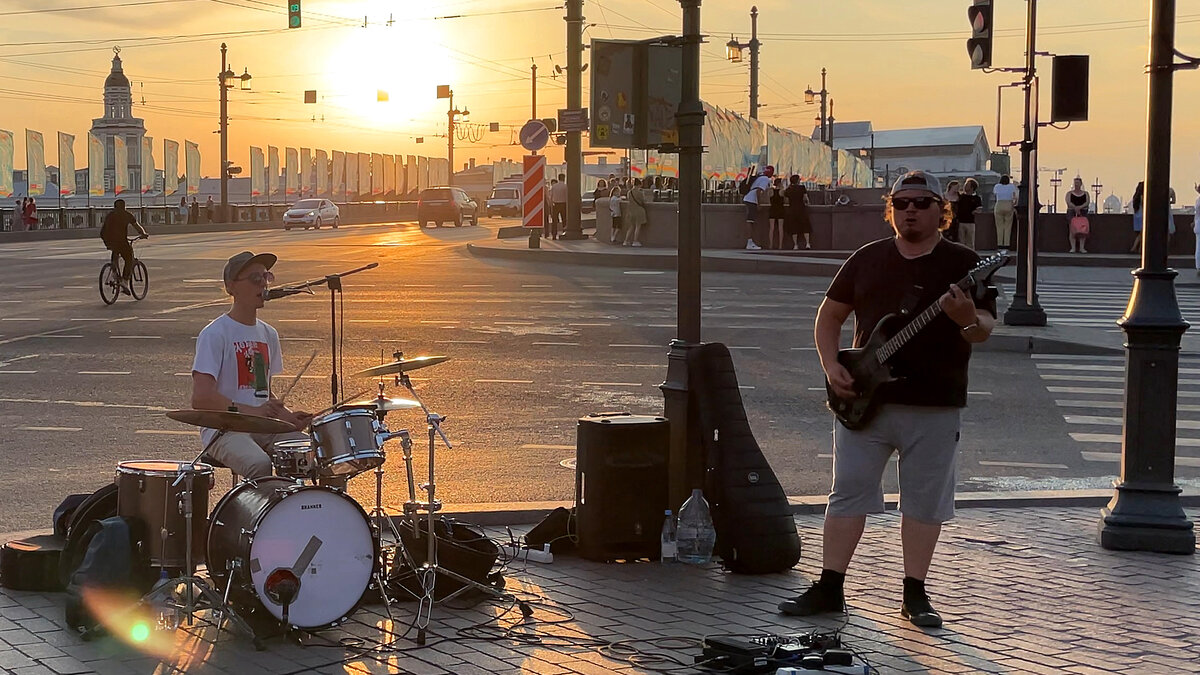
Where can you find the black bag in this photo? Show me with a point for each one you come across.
(461, 548)
(746, 184)
(756, 532)
(107, 570)
(65, 511)
(556, 529)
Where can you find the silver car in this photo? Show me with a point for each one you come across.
(313, 213)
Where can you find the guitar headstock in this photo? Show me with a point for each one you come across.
(986, 267)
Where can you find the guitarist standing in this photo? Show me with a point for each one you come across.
(917, 414)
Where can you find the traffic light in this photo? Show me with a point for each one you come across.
(293, 13)
(979, 45)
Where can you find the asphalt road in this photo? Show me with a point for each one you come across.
(532, 347)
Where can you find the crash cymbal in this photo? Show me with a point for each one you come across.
(386, 404)
(401, 366)
(226, 420)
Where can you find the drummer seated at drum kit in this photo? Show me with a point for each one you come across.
(236, 355)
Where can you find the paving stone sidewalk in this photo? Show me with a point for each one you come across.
(1023, 591)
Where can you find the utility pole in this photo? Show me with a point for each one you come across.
(686, 459)
(1024, 309)
(224, 131)
(754, 44)
(1145, 513)
(444, 91)
(574, 102)
(533, 77)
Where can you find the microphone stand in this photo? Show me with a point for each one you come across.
(334, 282)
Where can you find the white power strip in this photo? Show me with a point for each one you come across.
(521, 553)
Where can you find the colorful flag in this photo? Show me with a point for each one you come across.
(120, 164)
(35, 162)
(147, 164)
(191, 158)
(272, 172)
(95, 165)
(170, 167)
(291, 160)
(321, 165)
(378, 174)
(6, 163)
(66, 164)
(257, 179)
(338, 180)
(306, 184)
(352, 176)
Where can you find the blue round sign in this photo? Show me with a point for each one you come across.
(534, 135)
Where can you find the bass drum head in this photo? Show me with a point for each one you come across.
(295, 523)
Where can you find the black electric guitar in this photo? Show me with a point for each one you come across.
(868, 365)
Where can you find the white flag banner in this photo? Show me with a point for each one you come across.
(147, 164)
(66, 164)
(352, 176)
(364, 174)
(95, 165)
(290, 179)
(410, 174)
(322, 169)
(337, 180)
(389, 174)
(170, 167)
(6, 163)
(120, 165)
(191, 153)
(35, 162)
(306, 186)
(257, 171)
(378, 175)
(272, 172)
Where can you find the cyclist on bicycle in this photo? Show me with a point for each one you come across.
(114, 233)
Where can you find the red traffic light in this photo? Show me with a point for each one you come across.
(979, 45)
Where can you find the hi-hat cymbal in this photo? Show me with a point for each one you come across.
(401, 366)
(385, 404)
(225, 420)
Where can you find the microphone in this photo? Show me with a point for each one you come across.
(276, 293)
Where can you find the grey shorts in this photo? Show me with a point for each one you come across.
(927, 440)
(751, 211)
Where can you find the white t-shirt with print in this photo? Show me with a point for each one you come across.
(226, 349)
(1003, 192)
(763, 183)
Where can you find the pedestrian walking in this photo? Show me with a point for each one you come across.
(920, 413)
(548, 230)
(756, 195)
(194, 212)
(1006, 195)
(29, 214)
(183, 210)
(558, 199)
(952, 193)
(635, 213)
(1135, 203)
(969, 203)
(797, 221)
(208, 209)
(614, 210)
(776, 215)
(1077, 208)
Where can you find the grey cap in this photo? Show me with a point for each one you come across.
(918, 180)
(237, 263)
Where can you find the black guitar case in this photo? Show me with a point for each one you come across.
(756, 533)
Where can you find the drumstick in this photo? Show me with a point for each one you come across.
(298, 376)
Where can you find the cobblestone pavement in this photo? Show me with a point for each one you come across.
(1022, 590)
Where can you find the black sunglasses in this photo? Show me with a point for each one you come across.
(921, 203)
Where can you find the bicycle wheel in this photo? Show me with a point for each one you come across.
(139, 283)
(110, 284)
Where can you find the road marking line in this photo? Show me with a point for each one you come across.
(733, 347)
(536, 286)
(104, 372)
(804, 349)
(435, 321)
(88, 319)
(494, 302)
(370, 320)
(295, 320)
(1116, 457)
(640, 346)
(1116, 438)
(134, 337)
(165, 432)
(592, 324)
(65, 302)
(644, 272)
(531, 446)
(476, 285)
(611, 384)
(418, 285)
(1117, 421)
(17, 372)
(1105, 390)
(1023, 465)
(463, 342)
(745, 386)
(20, 318)
(49, 429)
(153, 320)
(518, 323)
(77, 288)
(300, 339)
(555, 344)
(30, 286)
(504, 381)
(61, 336)
(1114, 405)
(979, 393)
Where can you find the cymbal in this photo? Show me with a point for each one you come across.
(401, 366)
(225, 420)
(385, 404)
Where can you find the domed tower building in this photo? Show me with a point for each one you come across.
(118, 120)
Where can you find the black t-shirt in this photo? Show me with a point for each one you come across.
(877, 281)
(116, 227)
(795, 195)
(965, 208)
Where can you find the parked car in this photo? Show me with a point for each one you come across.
(313, 213)
(446, 205)
(588, 202)
(505, 200)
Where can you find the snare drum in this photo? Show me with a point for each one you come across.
(295, 458)
(346, 442)
(153, 492)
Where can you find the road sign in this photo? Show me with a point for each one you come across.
(533, 189)
(534, 135)
(572, 119)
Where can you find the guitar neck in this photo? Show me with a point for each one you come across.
(897, 341)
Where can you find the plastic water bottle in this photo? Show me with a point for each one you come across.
(669, 551)
(696, 535)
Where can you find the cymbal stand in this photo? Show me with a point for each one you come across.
(429, 571)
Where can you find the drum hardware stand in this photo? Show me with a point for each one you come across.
(379, 515)
(429, 571)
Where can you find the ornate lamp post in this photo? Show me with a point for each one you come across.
(225, 79)
(826, 122)
(733, 52)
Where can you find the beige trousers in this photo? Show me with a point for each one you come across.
(1004, 219)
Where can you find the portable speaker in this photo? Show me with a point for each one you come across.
(1069, 89)
(620, 485)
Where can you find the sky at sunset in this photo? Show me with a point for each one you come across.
(899, 65)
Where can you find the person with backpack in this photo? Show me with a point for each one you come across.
(755, 193)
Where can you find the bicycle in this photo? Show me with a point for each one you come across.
(111, 283)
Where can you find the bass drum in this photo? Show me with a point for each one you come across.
(318, 533)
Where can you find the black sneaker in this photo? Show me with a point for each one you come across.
(818, 599)
(920, 613)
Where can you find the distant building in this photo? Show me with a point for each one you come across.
(119, 121)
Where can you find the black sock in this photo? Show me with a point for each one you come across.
(914, 589)
(832, 580)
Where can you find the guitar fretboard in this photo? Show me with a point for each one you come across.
(897, 341)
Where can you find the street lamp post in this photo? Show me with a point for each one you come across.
(444, 91)
(224, 81)
(1145, 513)
(1055, 182)
(1096, 187)
(733, 52)
(826, 122)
